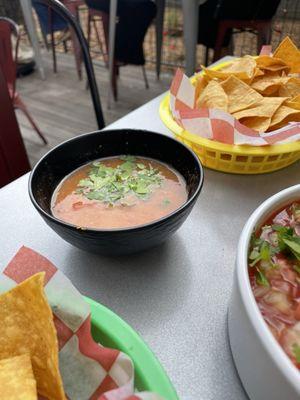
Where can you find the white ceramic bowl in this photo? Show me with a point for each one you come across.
(264, 368)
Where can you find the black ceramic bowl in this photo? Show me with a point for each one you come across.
(68, 156)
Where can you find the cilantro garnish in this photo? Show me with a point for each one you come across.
(261, 278)
(262, 251)
(296, 351)
(109, 185)
(293, 244)
(288, 242)
(166, 202)
(284, 240)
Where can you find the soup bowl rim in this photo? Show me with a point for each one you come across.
(274, 349)
(134, 228)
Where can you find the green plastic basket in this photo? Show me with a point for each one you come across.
(111, 331)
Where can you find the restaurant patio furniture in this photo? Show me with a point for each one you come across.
(13, 158)
(50, 23)
(8, 62)
(61, 10)
(135, 57)
(26, 6)
(190, 32)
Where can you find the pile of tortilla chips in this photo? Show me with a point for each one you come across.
(28, 344)
(263, 93)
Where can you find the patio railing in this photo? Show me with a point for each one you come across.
(286, 22)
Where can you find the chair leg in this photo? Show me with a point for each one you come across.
(45, 40)
(100, 44)
(159, 24)
(230, 48)
(77, 54)
(89, 21)
(18, 103)
(145, 77)
(206, 56)
(76, 45)
(263, 36)
(52, 40)
(222, 29)
(65, 46)
(105, 24)
(114, 82)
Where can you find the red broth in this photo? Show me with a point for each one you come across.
(119, 192)
(274, 271)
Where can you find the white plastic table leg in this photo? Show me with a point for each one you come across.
(111, 46)
(159, 26)
(28, 18)
(190, 33)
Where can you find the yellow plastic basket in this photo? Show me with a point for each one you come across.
(231, 158)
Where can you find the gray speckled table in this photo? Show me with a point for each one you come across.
(175, 295)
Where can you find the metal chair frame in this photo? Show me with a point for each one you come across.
(61, 10)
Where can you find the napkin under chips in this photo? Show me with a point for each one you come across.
(26, 326)
(16, 379)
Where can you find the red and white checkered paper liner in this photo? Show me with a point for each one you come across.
(89, 370)
(218, 125)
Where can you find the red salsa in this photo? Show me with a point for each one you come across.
(119, 192)
(274, 271)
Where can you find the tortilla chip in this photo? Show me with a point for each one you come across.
(290, 89)
(240, 95)
(16, 379)
(267, 85)
(296, 99)
(293, 103)
(201, 84)
(259, 116)
(289, 53)
(26, 326)
(272, 64)
(259, 124)
(242, 68)
(266, 107)
(213, 96)
(258, 72)
(246, 64)
(283, 116)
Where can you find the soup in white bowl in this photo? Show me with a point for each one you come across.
(267, 371)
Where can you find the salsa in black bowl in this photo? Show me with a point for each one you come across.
(116, 192)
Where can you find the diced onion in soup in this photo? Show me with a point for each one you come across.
(278, 300)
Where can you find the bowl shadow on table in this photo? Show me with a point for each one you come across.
(229, 390)
(232, 361)
(147, 285)
(241, 193)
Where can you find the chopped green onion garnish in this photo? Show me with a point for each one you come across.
(109, 185)
(261, 278)
(296, 351)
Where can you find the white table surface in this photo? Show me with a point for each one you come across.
(175, 295)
